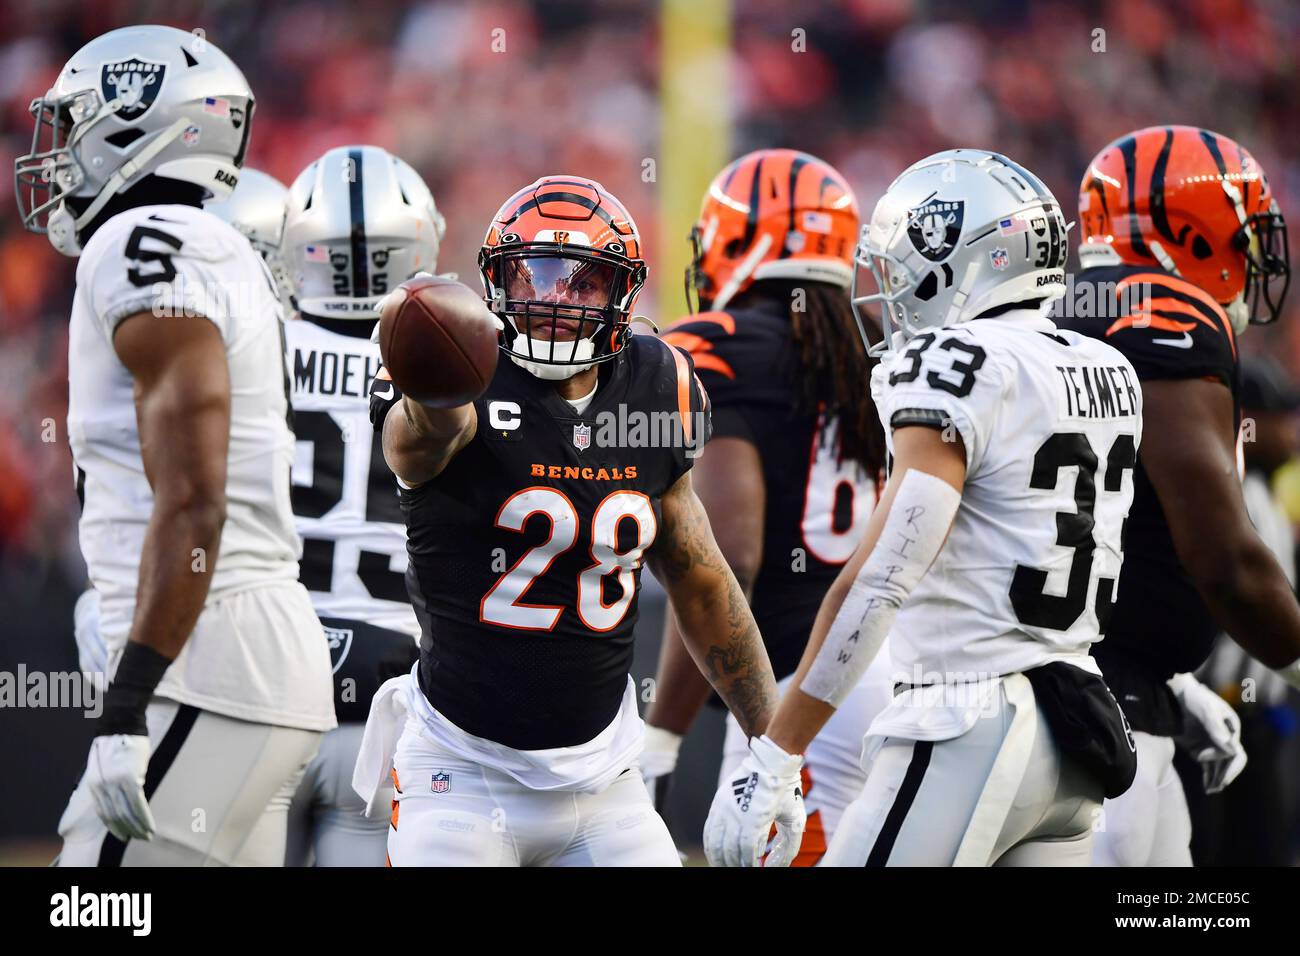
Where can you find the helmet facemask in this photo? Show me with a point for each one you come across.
(893, 282)
(697, 281)
(566, 308)
(52, 172)
(1263, 241)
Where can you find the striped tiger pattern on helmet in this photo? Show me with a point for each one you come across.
(1188, 200)
(772, 214)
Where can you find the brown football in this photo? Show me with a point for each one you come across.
(438, 341)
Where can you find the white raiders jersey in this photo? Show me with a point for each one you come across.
(345, 498)
(189, 262)
(1051, 422)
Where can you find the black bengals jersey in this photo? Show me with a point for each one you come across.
(1168, 329)
(817, 508)
(526, 552)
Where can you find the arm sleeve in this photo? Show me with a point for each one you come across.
(917, 524)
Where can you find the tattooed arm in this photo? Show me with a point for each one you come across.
(713, 616)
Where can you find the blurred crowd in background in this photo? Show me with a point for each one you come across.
(483, 97)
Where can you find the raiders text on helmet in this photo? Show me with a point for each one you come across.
(359, 223)
(140, 101)
(957, 234)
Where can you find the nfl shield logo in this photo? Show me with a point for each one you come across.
(134, 83)
(999, 259)
(581, 437)
(441, 782)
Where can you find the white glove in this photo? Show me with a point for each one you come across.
(1213, 732)
(763, 790)
(658, 761)
(115, 777)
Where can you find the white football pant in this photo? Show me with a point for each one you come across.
(327, 821)
(969, 800)
(1147, 825)
(218, 788)
(450, 811)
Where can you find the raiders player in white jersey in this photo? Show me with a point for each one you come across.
(358, 221)
(991, 561)
(255, 208)
(177, 420)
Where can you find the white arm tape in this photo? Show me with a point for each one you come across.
(914, 533)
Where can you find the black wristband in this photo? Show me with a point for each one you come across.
(138, 673)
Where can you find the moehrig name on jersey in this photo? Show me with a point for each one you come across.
(1098, 391)
(320, 372)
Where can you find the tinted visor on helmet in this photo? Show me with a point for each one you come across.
(51, 170)
(553, 298)
(1263, 241)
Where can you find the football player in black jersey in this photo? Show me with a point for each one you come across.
(530, 513)
(790, 475)
(1183, 247)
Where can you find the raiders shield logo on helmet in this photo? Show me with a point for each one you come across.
(935, 226)
(134, 83)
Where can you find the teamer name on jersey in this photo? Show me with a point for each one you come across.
(1097, 391)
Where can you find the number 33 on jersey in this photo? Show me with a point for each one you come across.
(1051, 425)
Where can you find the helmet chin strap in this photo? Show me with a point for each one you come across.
(582, 350)
(1166, 261)
(742, 272)
(1238, 314)
(63, 229)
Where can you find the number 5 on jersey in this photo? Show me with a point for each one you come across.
(503, 605)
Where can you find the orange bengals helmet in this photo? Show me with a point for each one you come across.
(561, 264)
(772, 214)
(1196, 203)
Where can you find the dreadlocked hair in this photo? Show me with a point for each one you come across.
(833, 373)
